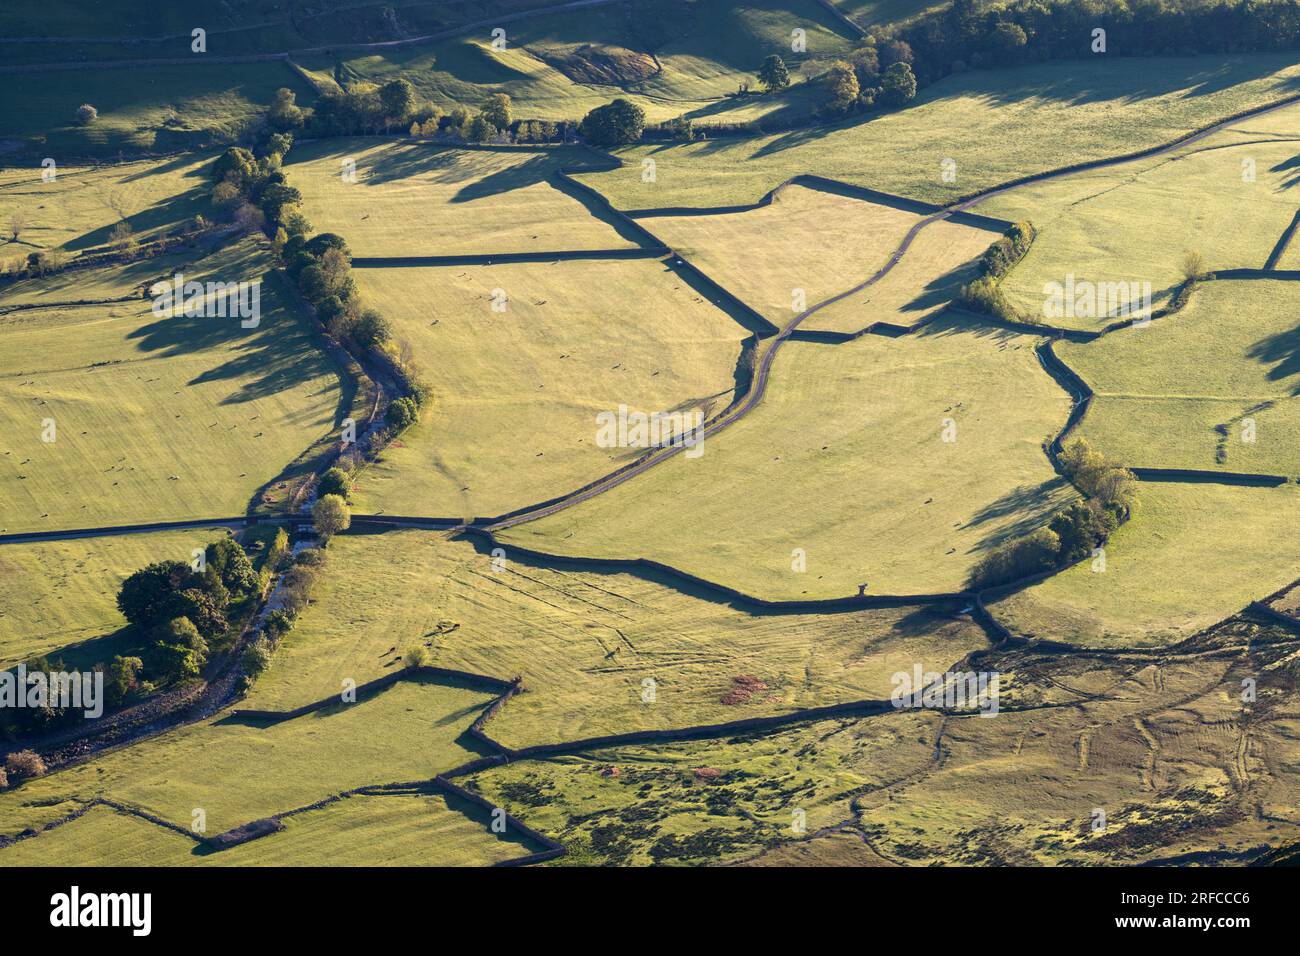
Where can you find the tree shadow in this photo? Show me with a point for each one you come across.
(1282, 351)
(1032, 504)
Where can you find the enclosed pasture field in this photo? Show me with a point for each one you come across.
(586, 642)
(413, 198)
(996, 125)
(56, 595)
(516, 393)
(158, 417)
(1212, 387)
(846, 461)
(1193, 555)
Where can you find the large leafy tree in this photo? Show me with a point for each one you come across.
(615, 124)
(773, 74)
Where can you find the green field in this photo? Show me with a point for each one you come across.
(997, 125)
(397, 830)
(278, 768)
(845, 459)
(156, 108)
(1098, 226)
(806, 240)
(1227, 361)
(54, 594)
(586, 642)
(516, 393)
(157, 418)
(413, 199)
(1193, 555)
(940, 259)
(79, 209)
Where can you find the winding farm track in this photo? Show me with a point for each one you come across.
(763, 371)
(502, 754)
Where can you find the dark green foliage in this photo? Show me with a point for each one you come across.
(897, 85)
(1017, 558)
(773, 74)
(230, 563)
(1006, 251)
(402, 413)
(370, 329)
(617, 123)
(1083, 526)
(143, 595)
(335, 481)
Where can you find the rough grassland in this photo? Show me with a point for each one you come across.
(814, 241)
(414, 199)
(81, 206)
(713, 801)
(359, 831)
(156, 418)
(58, 593)
(1099, 227)
(516, 393)
(1228, 360)
(585, 642)
(278, 768)
(940, 259)
(997, 125)
(845, 459)
(1193, 555)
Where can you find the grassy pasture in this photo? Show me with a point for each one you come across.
(80, 207)
(412, 199)
(806, 239)
(585, 642)
(278, 767)
(670, 57)
(940, 259)
(1193, 555)
(845, 459)
(157, 418)
(1163, 389)
(359, 831)
(516, 393)
(1099, 226)
(59, 593)
(156, 108)
(997, 125)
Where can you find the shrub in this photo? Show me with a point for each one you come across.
(24, 764)
(1114, 486)
(4, 778)
(402, 413)
(335, 481)
(1017, 558)
(417, 655)
(370, 329)
(842, 89)
(897, 85)
(122, 678)
(86, 114)
(256, 656)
